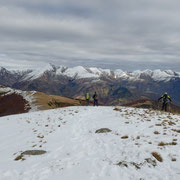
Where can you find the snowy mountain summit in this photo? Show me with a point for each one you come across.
(81, 72)
(85, 143)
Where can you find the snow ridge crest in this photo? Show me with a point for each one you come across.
(80, 72)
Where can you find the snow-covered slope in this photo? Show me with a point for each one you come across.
(131, 150)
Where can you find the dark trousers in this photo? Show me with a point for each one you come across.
(87, 102)
(95, 102)
(164, 106)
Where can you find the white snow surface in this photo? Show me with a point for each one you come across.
(75, 151)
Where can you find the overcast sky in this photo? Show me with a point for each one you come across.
(124, 34)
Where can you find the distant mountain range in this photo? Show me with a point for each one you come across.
(113, 87)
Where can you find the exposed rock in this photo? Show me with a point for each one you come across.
(103, 130)
(29, 152)
(34, 152)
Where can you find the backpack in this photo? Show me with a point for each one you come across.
(95, 96)
(87, 96)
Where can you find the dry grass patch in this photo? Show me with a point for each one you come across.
(176, 130)
(117, 109)
(39, 136)
(123, 163)
(124, 137)
(152, 162)
(137, 165)
(45, 101)
(173, 159)
(20, 157)
(166, 144)
(162, 144)
(173, 143)
(158, 124)
(156, 132)
(157, 156)
(169, 117)
(171, 123)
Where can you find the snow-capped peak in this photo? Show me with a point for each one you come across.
(156, 75)
(80, 72)
(36, 73)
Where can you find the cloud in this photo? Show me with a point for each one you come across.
(123, 34)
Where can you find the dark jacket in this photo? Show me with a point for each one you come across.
(165, 98)
(95, 97)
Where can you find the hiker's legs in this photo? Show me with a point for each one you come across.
(87, 102)
(163, 106)
(94, 102)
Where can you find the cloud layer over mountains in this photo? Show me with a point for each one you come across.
(125, 33)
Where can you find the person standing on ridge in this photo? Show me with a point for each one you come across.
(95, 97)
(87, 99)
(165, 98)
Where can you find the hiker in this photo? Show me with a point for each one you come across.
(165, 98)
(95, 97)
(87, 99)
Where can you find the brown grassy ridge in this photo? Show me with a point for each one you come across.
(45, 101)
(15, 103)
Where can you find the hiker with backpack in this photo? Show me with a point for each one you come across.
(165, 99)
(87, 99)
(95, 97)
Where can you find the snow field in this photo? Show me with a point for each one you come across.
(75, 151)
